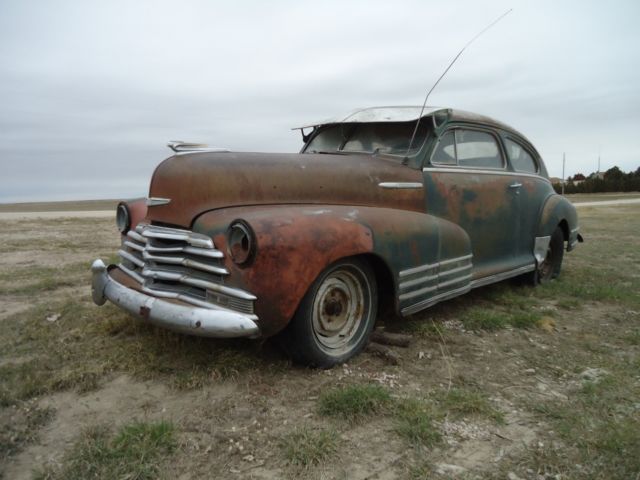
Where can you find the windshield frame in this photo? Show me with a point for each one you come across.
(415, 151)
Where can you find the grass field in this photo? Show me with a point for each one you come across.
(507, 380)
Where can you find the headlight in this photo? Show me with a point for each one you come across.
(241, 242)
(123, 218)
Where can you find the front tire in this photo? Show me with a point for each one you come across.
(335, 318)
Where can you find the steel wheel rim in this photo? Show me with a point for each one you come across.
(340, 309)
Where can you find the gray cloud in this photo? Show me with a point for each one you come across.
(91, 91)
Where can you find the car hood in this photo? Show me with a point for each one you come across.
(199, 182)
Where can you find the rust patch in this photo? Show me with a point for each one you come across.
(145, 312)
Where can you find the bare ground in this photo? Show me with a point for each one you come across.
(67, 365)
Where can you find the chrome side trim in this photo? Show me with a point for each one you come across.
(422, 268)
(457, 259)
(456, 270)
(483, 172)
(417, 293)
(400, 185)
(417, 281)
(157, 201)
(414, 270)
(433, 300)
(480, 282)
(540, 248)
(574, 230)
(455, 280)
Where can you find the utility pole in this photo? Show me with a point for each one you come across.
(563, 179)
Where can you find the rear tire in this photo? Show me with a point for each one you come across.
(550, 267)
(336, 316)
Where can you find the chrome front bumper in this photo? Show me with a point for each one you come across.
(203, 322)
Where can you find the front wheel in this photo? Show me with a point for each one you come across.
(336, 316)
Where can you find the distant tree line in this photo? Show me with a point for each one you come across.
(613, 180)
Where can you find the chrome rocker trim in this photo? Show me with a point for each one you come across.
(203, 322)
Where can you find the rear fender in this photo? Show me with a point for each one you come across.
(556, 212)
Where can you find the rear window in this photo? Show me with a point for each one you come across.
(468, 148)
(521, 160)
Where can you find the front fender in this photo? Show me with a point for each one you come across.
(296, 243)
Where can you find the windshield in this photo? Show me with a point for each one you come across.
(391, 138)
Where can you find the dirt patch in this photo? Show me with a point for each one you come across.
(121, 400)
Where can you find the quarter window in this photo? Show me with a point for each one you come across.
(446, 151)
(468, 148)
(521, 160)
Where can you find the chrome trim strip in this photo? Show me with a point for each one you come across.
(400, 185)
(458, 259)
(483, 172)
(417, 281)
(455, 270)
(136, 236)
(454, 280)
(574, 230)
(414, 270)
(157, 201)
(433, 300)
(159, 274)
(480, 282)
(573, 244)
(131, 273)
(133, 259)
(423, 268)
(194, 239)
(211, 253)
(187, 262)
(133, 245)
(417, 293)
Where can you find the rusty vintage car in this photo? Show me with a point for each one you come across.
(391, 207)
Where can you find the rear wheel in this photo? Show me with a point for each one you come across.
(549, 268)
(336, 316)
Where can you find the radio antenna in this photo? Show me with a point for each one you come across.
(424, 104)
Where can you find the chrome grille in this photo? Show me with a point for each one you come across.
(180, 264)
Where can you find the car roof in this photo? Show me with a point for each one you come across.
(408, 114)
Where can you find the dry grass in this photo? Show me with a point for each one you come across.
(479, 360)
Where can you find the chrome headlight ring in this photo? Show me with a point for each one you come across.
(123, 218)
(241, 243)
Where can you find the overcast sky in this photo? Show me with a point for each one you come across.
(91, 91)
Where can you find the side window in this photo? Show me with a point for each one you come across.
(477, 149)
(521, 160)
(445, 153)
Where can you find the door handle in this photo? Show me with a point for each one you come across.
(515, 185)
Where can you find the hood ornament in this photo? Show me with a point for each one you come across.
(179, 146)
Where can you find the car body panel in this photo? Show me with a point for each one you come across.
(438, 231)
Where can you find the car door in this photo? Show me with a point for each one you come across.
(467, 182)
(534, 189)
